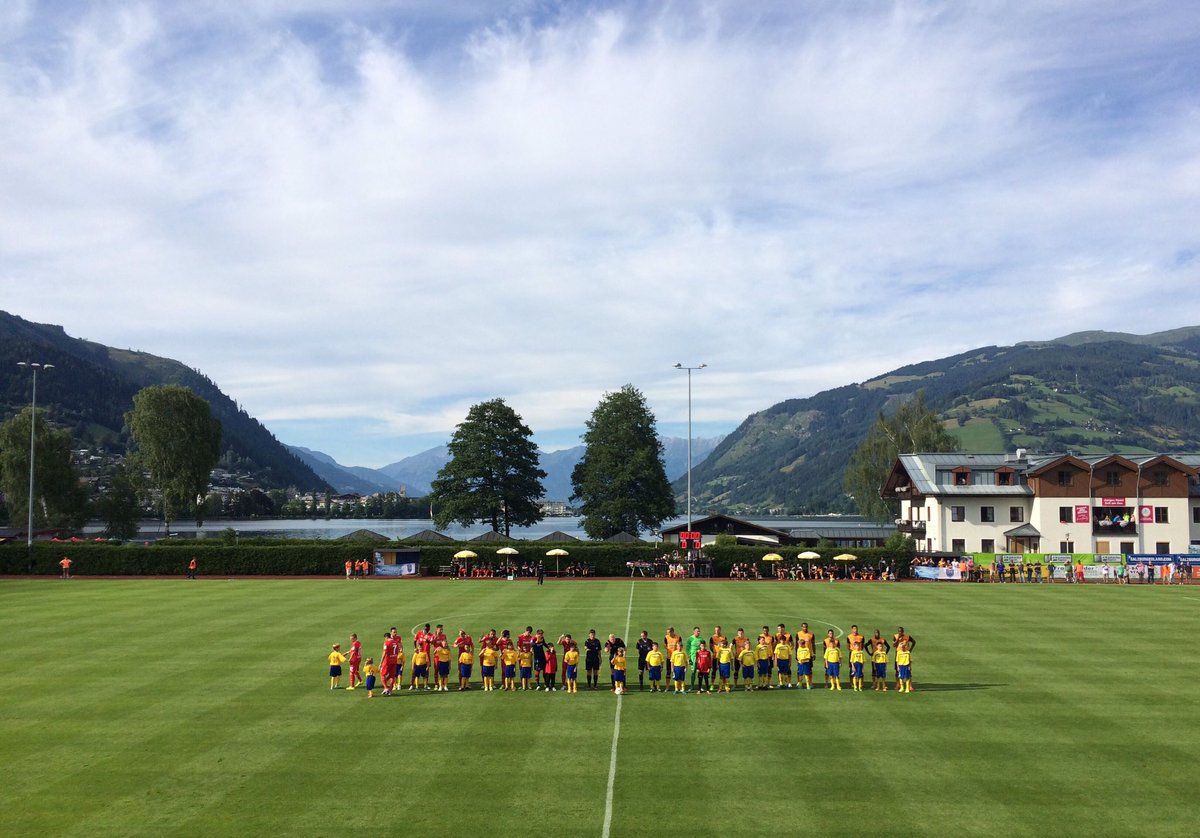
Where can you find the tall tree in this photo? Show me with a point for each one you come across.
(178, 444)
(912, 428)
(118, 507)
(59, 499)
(621, 479)
(493, 473)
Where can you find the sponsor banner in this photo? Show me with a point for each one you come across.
(938, 574)
(1083, 514)
(1059, 557)
(1096, 571)
(1112, 501)
(1109, 558)
(1182, 559)
(403, 563)
(1145, 514)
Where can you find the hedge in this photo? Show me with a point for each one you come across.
(325, 558)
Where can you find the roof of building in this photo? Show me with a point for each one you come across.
(492, 536)
(922, 469)
(1023, 531)
(365, 535)
(427, 535)
(718, 524)
(558, 536)
(835, 533)
(624, 538)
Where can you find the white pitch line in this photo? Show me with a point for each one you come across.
(612, 759)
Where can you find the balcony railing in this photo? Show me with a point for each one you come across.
(911, 527)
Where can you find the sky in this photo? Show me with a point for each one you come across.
(360, 218)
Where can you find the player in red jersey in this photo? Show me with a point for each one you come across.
(387, 664)
(421, 641)
(525, 639)
(354, 659)
(463, 643)
(505, 641)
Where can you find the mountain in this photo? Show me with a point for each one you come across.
(1087, 392)
(343, 479)
(92, 386)
(417, 472)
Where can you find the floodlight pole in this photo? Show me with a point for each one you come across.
(34, 367)
(689, 445)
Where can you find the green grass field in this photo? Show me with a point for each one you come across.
(200, 708)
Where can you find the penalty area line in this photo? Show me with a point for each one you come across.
(612, 758)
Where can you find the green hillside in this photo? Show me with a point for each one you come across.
(1088, 392)
(92, 386)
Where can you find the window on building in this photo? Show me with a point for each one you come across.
(987, 545)
(1196, 514)
(987, 514)
(1162, 547)
(962, 477)
(1065, 515)
(1126, 547)
(1016, 514)
(1160, 515)
(1004, 478)
(1112, 477)
(1159, 477)
(958, 513)
(1066, 546)
(958, 545)
(1065, 478)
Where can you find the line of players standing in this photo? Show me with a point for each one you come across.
(531, 662)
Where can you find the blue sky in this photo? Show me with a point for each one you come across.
(360, 218)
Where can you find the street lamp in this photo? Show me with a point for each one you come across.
(689, 467)
(32, 427)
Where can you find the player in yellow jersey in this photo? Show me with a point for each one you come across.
(465, 660)
(525, 664)
(746, 658)
(879, 659)
(904, 667)
(654, 664)
(336, 659)
(487, 667)
(804, 660)
(508, 659)
(725, 662)
(762, 656)
(441, 656)
(858, 661)
(679, 667)
(420, 671)
(368, 673)
(571, 668)
(783, 664)
(833, 665)
(619, 664)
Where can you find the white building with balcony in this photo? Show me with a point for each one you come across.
(1057, 503)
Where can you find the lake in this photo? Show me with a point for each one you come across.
(399, 528)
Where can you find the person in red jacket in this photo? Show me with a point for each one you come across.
(354, 658)
(703, 669)
(550, 669)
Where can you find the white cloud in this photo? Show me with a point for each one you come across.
(361, 219)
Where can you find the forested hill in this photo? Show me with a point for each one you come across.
(92, 387)
(1087, 392)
